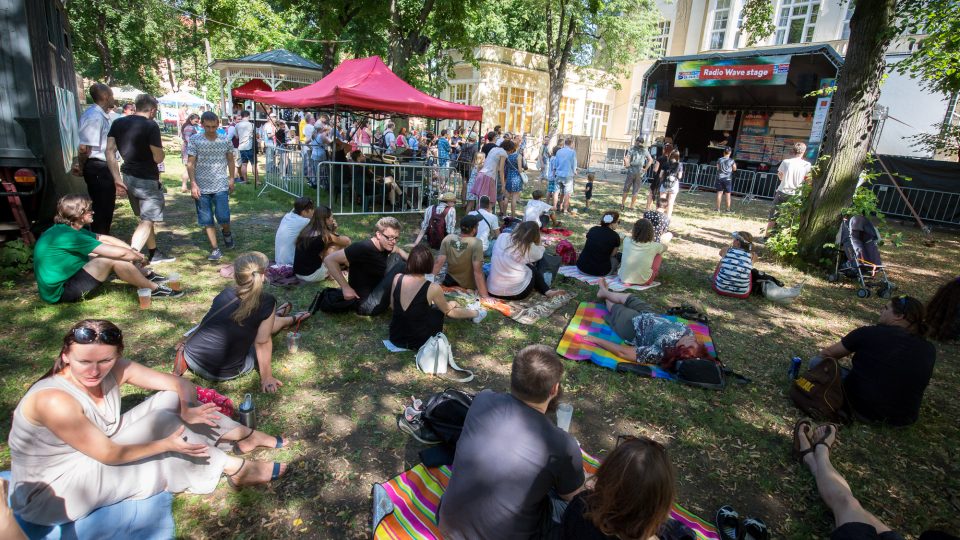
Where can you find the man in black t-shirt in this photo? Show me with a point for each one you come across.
(373, 264)
(892, 364)
(137, 139)
(659, 166)
(490, 144)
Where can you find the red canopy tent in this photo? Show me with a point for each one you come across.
(366, 85)
(250, 89)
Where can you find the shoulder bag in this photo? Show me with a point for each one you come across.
(819, 392)
(435, 355)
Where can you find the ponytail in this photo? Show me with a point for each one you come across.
(249, 271)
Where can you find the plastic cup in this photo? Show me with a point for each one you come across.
(564, 416)
(173, 281)
(145, 298)
(293, 342)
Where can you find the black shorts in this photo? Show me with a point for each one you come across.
(862, 531)
(724, 185)
(79, 287)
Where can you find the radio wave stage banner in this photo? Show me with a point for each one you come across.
(765, 70)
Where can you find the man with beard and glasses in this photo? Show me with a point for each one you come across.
(514, 468)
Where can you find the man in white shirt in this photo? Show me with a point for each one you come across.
(389, 139)
(92, 162)
(538, 210)
(488, 224)
(245, 135)
(270, 142)
(793, 173)
(284, 245)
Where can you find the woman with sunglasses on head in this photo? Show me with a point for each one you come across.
(236, 335)
(73, 452)
(632, 494)
(513, 271)
(891, 366)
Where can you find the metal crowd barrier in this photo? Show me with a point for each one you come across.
(378, 188)
(933, 206)
(285, 171)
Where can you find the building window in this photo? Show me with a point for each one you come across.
(662, 40)
(565, 123)
(461, 93)
(515, 113)
(721, 19)
(635, 108)
(595, 121)
(845, 31)
(796, 21)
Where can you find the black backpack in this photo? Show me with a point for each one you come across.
(437, 227)
(446, 412)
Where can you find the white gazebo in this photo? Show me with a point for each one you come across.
(273, 67)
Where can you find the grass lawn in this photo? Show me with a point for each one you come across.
(342, 390)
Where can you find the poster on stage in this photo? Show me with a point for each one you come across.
(756, 70)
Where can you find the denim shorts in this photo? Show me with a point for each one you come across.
(146, 197)
(213, 204)
(246, 156)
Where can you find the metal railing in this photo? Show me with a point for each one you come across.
(931, 205)
(379, 188)
(285, 171)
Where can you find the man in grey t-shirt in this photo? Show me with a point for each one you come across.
(514, 469)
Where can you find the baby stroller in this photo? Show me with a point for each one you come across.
(858, 257)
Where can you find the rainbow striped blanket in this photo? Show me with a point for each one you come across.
(405, 507)
(588, 321)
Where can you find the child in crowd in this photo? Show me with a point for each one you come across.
(588, 190)
(733, 275)
(726, 166)
(471, 196)
(537, 210)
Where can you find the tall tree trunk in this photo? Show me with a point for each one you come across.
(103, 48)
(558, 54)
(850, 126)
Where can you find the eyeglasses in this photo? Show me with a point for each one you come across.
(86, 336)
(390, 238)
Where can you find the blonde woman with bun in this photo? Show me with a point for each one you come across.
(235, 336)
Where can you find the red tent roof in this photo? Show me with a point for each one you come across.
(250, 89)
(366, 84)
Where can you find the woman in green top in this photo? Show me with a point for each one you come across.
(70, 262)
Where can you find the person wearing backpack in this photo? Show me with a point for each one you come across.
(637, 160)
(439, 220)
(514, 469)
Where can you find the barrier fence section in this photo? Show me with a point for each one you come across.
(285, 172)
(378, 188)
(931, 205)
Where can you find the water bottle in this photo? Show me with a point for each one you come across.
(795, 364)
(248, 412)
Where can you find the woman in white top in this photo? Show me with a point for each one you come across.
(641, 255)
(513, 275)
(72, 451)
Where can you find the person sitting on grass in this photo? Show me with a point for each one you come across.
(317, 240)
(72, 451)
(489, 225)
(599, 254)
(513, 275)
(642, 256)
(236, 335)
(852, 521)
(660, 222)
(654, 338)
(446, 210)
(891, 367)
(292, 223)
(631, 497)
(515, 470)
(462, 254)
(538, 211)
(373, 263)
(70, 262)
(943, 312)
(733, 276)
(419, 305)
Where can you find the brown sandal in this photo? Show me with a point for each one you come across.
(803, 428)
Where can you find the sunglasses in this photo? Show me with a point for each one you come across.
(86, 336)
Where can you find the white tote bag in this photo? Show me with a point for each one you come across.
(435, 355)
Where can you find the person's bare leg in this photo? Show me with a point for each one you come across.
(100, 267)
(566, 202)
(243, 171)
(211, 236)
(633, 201)
(606, 294)
(671, 199)
(719, 199)
(728, 200)
(142, 235)
(833, 488)
(250, 473)
(623, 199)
(554, 200)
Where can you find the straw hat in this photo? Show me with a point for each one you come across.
(448, 197)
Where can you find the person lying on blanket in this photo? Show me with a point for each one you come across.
(515, 469)
(631, 497)
(654, 338)
(71, 450)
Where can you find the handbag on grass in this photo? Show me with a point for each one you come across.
(435, 355)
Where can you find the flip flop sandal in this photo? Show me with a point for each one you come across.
(798, 431)
(280, 443)
(755, 529)
(284, 309)
(274, 474)
(823, 440)
(728, 523)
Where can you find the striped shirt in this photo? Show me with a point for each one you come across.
(733, 278)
